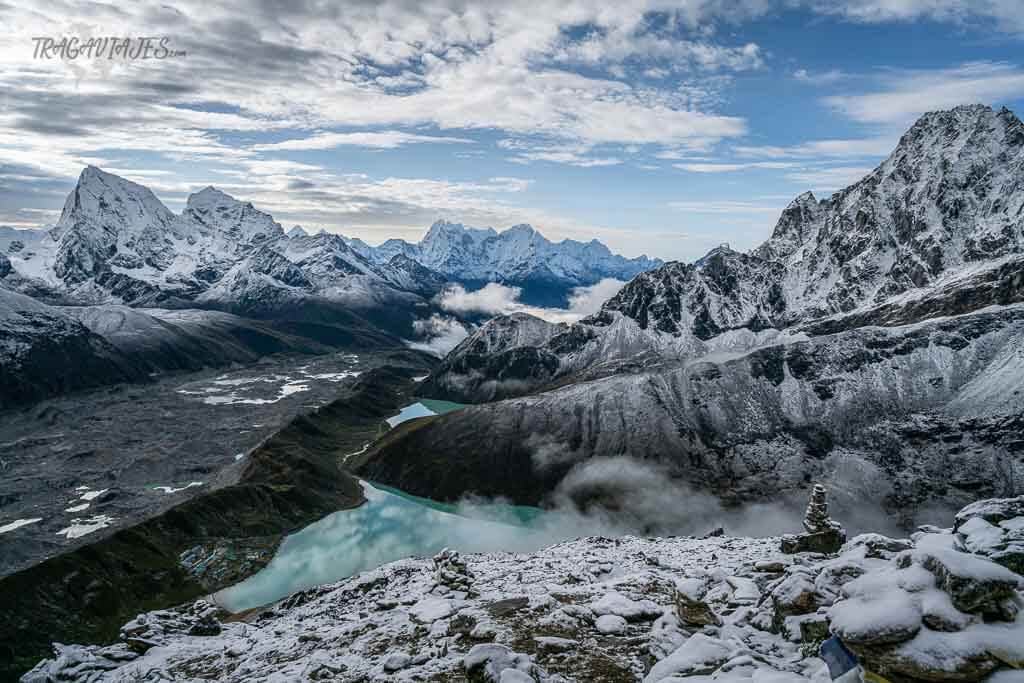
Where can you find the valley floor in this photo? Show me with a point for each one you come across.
(80, 467)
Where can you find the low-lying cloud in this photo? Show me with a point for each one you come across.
(438, 335)
(498, 299)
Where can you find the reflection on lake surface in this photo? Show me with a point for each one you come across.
(391, 526)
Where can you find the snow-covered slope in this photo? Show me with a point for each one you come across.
(656, 610)
(44, 351)
(897, 420)
(950, 196)
(517, 255)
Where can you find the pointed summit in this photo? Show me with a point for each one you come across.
(210, 196)
(238, 222)
(103, 213)
(793, 228)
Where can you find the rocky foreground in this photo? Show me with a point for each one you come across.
(944, 605)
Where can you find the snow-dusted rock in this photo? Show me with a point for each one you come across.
(699, 655)
(611, 625)
(933, 613)
(430, 609)
(492, 664)
(995, 529)
(396, 662)
(616, 604)
(691, 606)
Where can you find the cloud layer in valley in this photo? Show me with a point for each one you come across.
(498, 299)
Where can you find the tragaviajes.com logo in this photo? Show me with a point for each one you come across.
(142, 47)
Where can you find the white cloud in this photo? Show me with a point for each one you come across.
(571, 154)
(1003, 14)
(862, 147)
(439, 335)
(905, 95)
(730, 168)
(820, 78)
(381, 64)
(726, 207)
(388, 139)
(498, 299)
(492, 299)
(829, 179)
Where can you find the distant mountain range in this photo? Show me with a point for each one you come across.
(518, 256)
(875, 341)
(117, 244)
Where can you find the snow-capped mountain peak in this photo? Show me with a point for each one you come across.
(520, 254)
(235, 220)
(101, 195)
(104, 216)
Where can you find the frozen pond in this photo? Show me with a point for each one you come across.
(391, 526)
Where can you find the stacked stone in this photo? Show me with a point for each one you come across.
(451, 572)
(824, 535)
(816, 518)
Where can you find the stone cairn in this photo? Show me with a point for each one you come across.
(451, 573)
(816, 519)
(823, 534)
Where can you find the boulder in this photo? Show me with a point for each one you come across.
(878, 546)
(690, 604)
(992, 510)
(396, 662)
(869, 621)
(1001, 541)
(795, 594)
(699, 655)
(974, 584)
(610, 625)
(489, 664)
(627, 608)
(824, 542)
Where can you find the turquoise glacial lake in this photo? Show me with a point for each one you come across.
(391, 526)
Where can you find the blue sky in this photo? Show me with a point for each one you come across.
(658, 128)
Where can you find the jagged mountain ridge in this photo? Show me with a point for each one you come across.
(116, 242)
(936, 229)
(517, 255)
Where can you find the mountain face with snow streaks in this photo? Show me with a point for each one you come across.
(874, 342)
